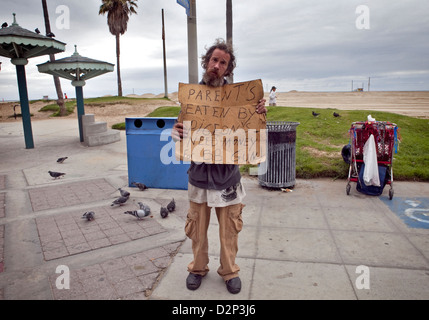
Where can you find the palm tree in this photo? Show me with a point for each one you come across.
(60, 101)
(118, 12)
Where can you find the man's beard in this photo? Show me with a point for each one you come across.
(212, 82)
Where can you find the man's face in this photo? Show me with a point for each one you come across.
(216, 68)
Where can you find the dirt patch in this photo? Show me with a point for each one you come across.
(320, 153)
(9, 109)
(111, 113)
(116, 113)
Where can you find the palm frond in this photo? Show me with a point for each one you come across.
(118, 12)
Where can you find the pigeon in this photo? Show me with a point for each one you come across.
(144, 207)
(121, 200)
(139, 214)
(56, 174)
(37, 30)
(62, 159)
(336, 115)
(50, 35)
(124, 193)
(139, 185)
(171, 206)
(4, 25)
(163, 212)
(89, 215)
(315, 114)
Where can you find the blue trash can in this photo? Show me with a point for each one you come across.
(150, 154)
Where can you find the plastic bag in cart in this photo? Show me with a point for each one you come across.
(370, 175)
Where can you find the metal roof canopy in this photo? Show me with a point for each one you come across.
(77, 69)
(19, 45)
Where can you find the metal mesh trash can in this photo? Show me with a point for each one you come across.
(279, 170)
(151, 154)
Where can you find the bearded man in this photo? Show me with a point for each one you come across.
(215, 185)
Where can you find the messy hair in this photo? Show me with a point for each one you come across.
(224, 46)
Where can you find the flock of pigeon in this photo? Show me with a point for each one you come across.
(140, 213)
(315, 114)
(144, 209)
(55, 174)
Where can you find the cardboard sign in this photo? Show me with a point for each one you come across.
(221, 123)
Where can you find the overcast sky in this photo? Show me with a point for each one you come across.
(305, 45)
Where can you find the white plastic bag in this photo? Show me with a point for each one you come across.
(370, 174)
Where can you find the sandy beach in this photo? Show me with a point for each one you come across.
(410, 103)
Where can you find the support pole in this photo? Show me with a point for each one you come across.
(192, 43)
(23, 98)
(230, 78)
(165, 58)
(80, 105)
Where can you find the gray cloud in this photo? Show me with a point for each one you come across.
(296, 45)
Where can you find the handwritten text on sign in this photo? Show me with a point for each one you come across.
(221, 123)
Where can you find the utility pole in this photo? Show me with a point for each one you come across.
(369, 83)
(192, 43)
(230, 79)
(165, 62)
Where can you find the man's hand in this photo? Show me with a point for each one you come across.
(260, 108)
(177, 131)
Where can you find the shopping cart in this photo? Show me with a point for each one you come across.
(386, 142)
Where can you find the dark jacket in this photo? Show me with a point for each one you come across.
(213, 176)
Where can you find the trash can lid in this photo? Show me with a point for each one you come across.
(282, 125)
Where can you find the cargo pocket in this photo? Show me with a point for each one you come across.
(236, 218)
(191, 225)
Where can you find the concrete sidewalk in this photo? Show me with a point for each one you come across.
(305, 244)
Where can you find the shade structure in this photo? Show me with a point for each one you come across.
(19, 45)
(77, 69)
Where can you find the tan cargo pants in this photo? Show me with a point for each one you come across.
(230, 224)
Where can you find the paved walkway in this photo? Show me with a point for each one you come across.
(313, 243)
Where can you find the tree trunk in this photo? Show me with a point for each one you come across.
(118, 68)
(60, 101)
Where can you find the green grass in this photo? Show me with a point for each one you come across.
(119, 126)
(165, 112)
(320, 140)
(70, 105)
